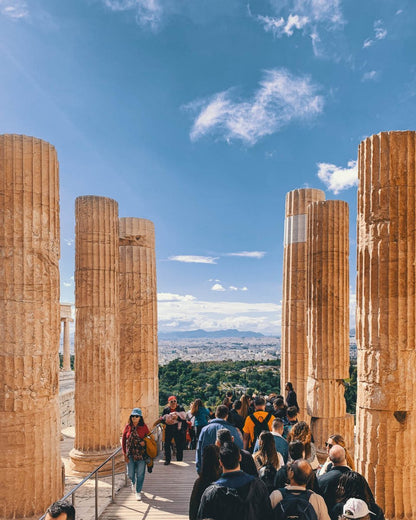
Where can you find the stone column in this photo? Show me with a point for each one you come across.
(138, 320)
(66, 311)
(328, 321)
(97, 367)
(294, 348)
(29, 327)
(386, 321)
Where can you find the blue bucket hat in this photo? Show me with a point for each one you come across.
(136, 411)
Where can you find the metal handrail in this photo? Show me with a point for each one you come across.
(94, 473)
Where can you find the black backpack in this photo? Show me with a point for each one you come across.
(267, 474)
(295, 506)
(260, 426)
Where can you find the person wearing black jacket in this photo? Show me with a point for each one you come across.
(353, 485)
(235, 494)
(328, 482)
(174, 417)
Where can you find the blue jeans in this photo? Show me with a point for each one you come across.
(136, 470)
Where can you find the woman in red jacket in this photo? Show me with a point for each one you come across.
(134, 449)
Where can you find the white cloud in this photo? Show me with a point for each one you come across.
(380, 32)
(194, 259)
(336, 178)
(171, 297)
(312, 17)
(233, 288)
(14, 9)
(279, 26)
(69, 241)
(369, 76)
(148, 12)
(67, 284)
(217, 287)
(196, 314)
(248, 254)
(399, 11)
(280, 99)
(244, 288)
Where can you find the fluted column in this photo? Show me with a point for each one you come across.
(97, 367)
(294, 349)
(386, 320)
(138, 320)
(30, 463)
(328, 320)
(66, 364)
(66, 319)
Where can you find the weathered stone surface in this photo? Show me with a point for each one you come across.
(294, 356)
(139, 385)
(97, 367)
(29, 326)
(323, 427)
(328, 314)
(386, 257)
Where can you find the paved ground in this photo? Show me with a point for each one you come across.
(165, 494)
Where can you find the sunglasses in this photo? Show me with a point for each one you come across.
(135, 416)
(172, 401)
(329, 445)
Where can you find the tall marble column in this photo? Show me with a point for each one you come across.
(30, 461)
(328, 321)
(294, 348)
(66, 319)
(138, 320)
(386, 320)
(97, 364)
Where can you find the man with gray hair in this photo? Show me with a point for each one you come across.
(328, 482)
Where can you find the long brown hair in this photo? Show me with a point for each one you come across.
(245, 403)
(301, 432)
(267, 453)
(196, 405)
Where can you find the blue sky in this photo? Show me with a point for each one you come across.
(200, 115)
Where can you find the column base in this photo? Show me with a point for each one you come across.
(84, 462)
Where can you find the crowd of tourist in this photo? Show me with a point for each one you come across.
(254, 459)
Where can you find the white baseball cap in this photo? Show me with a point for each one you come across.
(355, 508)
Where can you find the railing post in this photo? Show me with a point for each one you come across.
(73, 499)
(113, 469)
(96, 495)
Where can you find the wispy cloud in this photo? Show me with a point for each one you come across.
(311, 17)
(69, 241)
(194, 259)
(380, 32)
(234, 288)
(248, 254)
(14, 9)
(370, 76)
(148, 12)
(217, 287)
(280, 99)
(279, 26)
(171, 297)
(336, 178)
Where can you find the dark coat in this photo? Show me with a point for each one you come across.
(248, 501)
(328, 483)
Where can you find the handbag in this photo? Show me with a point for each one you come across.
(151, 446)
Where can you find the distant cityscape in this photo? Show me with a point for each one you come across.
(223, 345)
